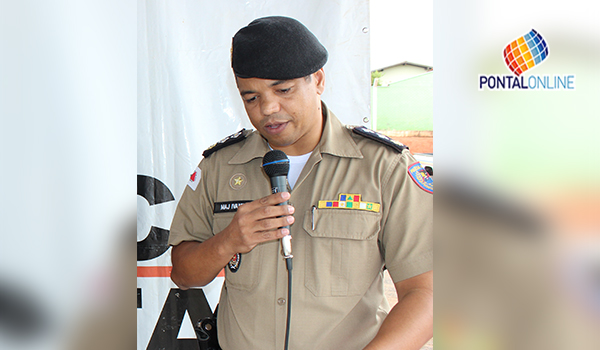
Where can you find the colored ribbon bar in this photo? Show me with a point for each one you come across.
(349, 201)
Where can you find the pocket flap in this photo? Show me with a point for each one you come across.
(342, 224)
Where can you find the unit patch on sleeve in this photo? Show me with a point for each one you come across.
(229, 140)
(375, 136)
(421, 177)
(349, 201)
(195, 179)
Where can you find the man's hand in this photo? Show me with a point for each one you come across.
(196, 264)
(258, 222)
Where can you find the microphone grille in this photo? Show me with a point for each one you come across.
(276, 163)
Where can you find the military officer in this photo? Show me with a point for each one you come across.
(359, 203)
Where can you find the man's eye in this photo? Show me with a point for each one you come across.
(285, 90)
(251, 99)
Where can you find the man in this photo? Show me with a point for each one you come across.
(359, 203)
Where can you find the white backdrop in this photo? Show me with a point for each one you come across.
(187, 100)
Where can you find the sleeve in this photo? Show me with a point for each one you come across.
(406, 237)
(193, 217)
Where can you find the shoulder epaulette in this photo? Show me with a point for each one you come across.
(375, 136)
(229, 140)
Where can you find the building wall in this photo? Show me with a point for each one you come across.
(404, 105)
(397, 73)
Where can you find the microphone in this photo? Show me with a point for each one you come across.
(277, 165)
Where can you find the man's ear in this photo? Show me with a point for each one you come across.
(319, 80)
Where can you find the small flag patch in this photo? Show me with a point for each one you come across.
(195, 179)
(349, 201)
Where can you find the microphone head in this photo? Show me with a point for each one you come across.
(276, 163)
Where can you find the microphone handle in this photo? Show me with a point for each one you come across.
(279, 184)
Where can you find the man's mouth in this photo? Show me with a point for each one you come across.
(276, 127)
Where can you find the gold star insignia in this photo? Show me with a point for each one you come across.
(238, 181)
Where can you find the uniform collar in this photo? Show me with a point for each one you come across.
(335, 140)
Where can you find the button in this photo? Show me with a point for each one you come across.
(281, 301)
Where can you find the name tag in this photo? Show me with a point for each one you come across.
(228, 207)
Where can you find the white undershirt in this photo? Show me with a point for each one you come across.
(296, 165)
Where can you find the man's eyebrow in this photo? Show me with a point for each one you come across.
(249, 92)
(278, 82)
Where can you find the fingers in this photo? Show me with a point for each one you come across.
(273, 224)
(272, 235)
(275, 198)
(260, 221)
(267, 207)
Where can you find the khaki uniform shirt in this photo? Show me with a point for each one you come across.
(339, 253)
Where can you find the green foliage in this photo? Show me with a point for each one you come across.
(376, 74)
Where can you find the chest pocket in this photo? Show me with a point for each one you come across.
(342, 253)
(246, 277)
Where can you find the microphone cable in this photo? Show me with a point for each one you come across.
(288, 263)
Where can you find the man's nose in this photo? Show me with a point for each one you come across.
(269, 105)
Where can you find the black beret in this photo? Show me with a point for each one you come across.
(278, 48)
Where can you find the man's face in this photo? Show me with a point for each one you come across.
(286, 112)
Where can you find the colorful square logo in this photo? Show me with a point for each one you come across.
(525, 52)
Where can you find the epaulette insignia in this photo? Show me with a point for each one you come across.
(229, 140)
(373, 135)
